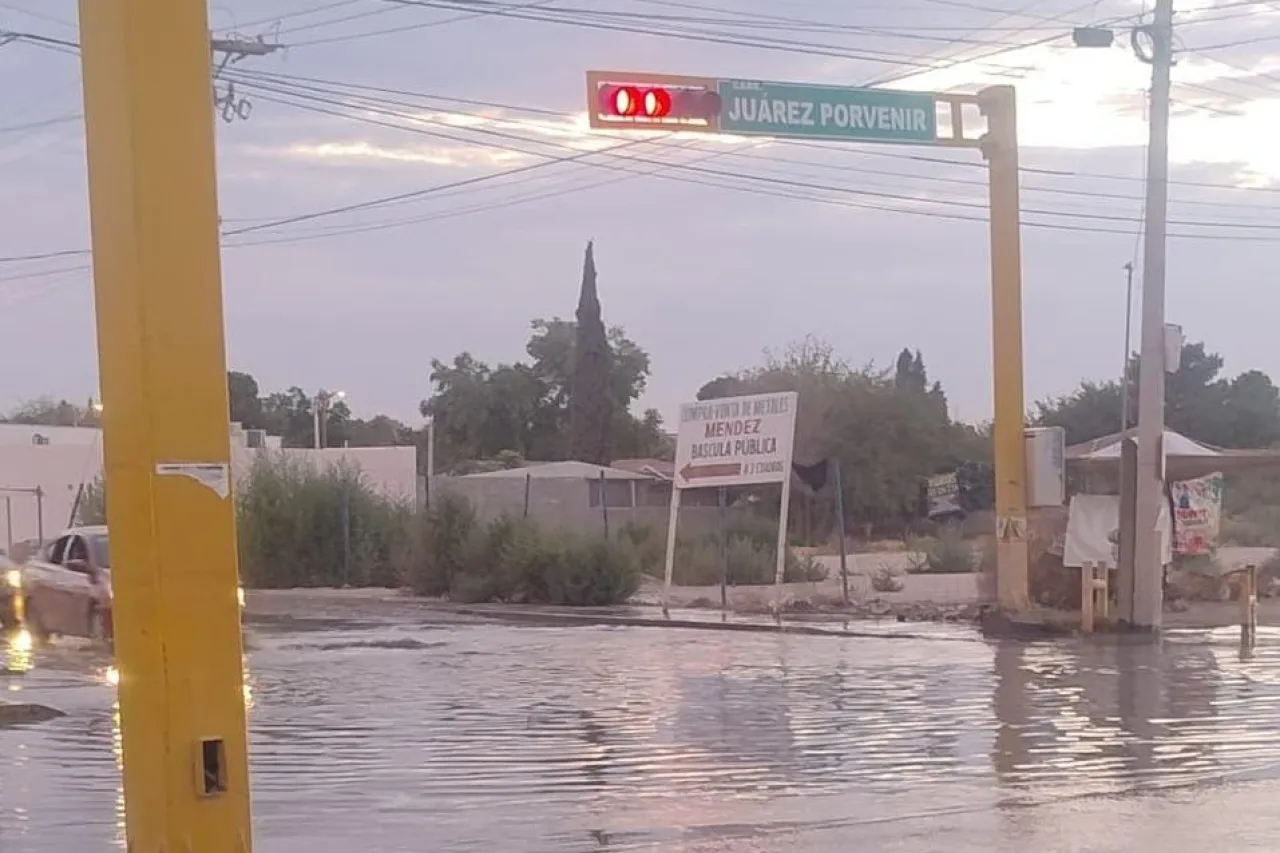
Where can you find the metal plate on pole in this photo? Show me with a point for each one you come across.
(759, 108)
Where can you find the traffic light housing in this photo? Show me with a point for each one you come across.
(650, 101)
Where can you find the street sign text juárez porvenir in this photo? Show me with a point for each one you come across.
(757, 108)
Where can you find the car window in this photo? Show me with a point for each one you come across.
(58, 550)
(101, 553)
(77, 550)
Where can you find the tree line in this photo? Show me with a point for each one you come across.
(574, 397)
(1241, 412)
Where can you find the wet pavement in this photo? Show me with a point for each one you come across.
(451, 735)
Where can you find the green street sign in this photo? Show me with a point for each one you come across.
(757, 108)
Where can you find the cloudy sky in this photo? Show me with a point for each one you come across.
(749, 245)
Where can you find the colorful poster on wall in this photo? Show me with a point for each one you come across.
(1197, 511)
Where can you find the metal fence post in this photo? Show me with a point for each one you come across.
(1249, 606)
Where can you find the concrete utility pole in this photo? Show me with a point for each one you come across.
(320, 411)
(1148, 603)
(1124, 367)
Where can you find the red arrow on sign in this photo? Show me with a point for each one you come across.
(703, 472)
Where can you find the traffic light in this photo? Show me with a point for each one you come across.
(658, 103)
(654, 100)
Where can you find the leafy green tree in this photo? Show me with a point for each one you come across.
(909, 373)
(288, 415)
(480, 411)
(245, 402)
(1239, 412)
(642, 437)
(1089, 412)
(887, 435)
(378, 431)
(485, 413)
(590, 401)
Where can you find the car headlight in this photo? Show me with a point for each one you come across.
(14, 578)
(240, 595)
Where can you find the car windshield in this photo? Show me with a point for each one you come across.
(101, 553)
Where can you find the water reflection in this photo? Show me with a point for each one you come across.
(19, 653)
(1097, 717)
(508, 739)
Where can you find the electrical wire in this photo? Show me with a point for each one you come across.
(1227, 45)
(761, 185)
(584, 19)
(285, 16)
(339, 90)
(956, 57)
(737, 176)
(662, 165)
(36, 125)
(39, 16)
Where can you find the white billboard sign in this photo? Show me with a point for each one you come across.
(736, 441)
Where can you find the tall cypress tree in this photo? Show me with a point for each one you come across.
(590, 404)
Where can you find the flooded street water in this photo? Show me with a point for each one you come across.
(455, 736)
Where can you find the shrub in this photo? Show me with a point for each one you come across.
(591, 572)
(700, 561)
(92, 508)
(299, 526)
(443, 547)
(647, 545)
(514, 560)
(884, 580)
(948, 553)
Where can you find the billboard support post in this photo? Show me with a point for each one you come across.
(781, 570)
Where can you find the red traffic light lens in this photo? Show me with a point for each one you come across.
(621, 100)
(657, 103)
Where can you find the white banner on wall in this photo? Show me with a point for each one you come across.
(1093, 531)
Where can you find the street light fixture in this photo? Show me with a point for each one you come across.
(322, 401)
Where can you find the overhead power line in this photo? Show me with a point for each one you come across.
(751, 177)
(331, 89)
(782, 186)
(722, 179)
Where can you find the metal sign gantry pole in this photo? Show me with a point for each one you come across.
(157, 282)
(792, 117)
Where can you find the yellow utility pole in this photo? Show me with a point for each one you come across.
(1000, 147)
(157, 281)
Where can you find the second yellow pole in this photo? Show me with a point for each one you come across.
(1008, 440)
(162, 364)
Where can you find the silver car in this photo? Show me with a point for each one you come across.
(66, 590)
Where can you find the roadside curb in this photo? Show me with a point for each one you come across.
(548, 617)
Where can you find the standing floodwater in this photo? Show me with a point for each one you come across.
(495, 738)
